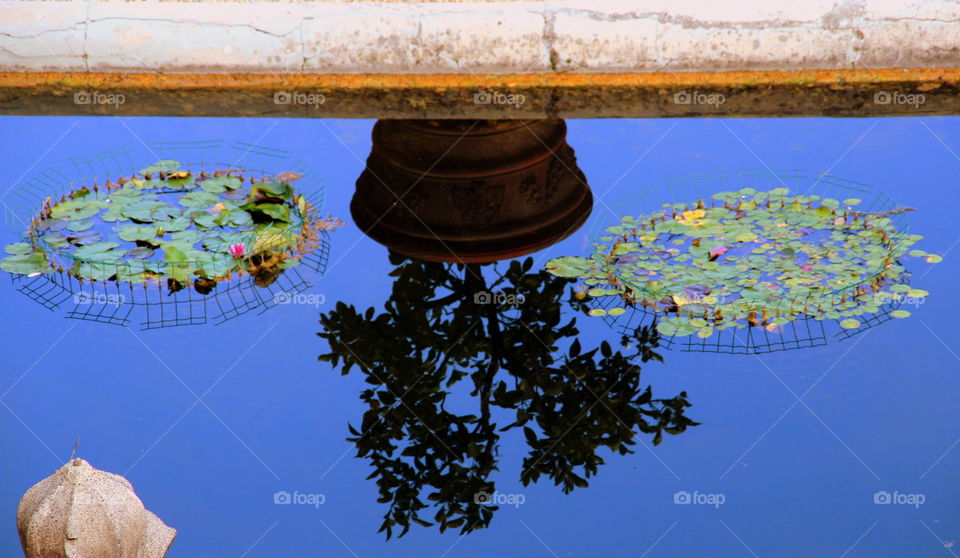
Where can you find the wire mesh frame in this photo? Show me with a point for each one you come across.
(114, 302)
(803, 332)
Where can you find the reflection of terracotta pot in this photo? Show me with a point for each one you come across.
(470, 191)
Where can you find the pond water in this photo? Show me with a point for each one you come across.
(795, 455)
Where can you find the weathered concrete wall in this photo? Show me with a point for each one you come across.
(404, 47)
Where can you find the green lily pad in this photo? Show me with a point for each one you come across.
(132, 233)
(75, 210)
(19, 248)
(26, 264)
(149, 211)
(569, 266)
(199, 199)
(167, 165)
(276, 211)
(100, 251)
(98, 271)
(80, 226)
(849, 323)
(221, 184)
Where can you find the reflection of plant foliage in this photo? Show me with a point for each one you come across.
(170, 224)
(435, 332)
(750, 259)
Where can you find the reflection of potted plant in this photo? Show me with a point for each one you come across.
(502, 332)
(470, 191)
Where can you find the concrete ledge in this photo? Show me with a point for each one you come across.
(476, 37)
(428, 59)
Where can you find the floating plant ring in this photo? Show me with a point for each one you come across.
(174, 229)
(749, 259)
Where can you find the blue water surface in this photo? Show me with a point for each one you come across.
(208, 423)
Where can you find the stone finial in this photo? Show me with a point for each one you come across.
(83, 512)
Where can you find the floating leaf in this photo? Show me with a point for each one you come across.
(84, 238)
(666, 328)
(26, 264)
(850, 323)
(161, 166)
(80, 226)
(900, 314)
(75, 210)
(198, 199)
(99, 251)
(140, 253)
(51, 225)
(132, 233)
(149, 211)
(277, 211)
(98, 271)
(221, 184)
(19, 248)
(569, 266)
(234, 218)
(271, 191)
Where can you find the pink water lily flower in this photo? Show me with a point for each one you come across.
(806, 267)
(237, 250)
(717, 252)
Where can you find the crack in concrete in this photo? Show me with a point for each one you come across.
(194, 22)
(86, 32)
(44, 32)
(548, 38)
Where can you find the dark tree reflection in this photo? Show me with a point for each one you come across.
(444, 324)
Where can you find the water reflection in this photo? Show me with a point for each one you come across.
(470, 190)
(499, 331)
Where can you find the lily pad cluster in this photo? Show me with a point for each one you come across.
(169, 224)
(750, 259)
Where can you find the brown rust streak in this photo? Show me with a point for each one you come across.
(733, 79)
(748, 93)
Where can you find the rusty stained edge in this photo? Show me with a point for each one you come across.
(879, 92)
